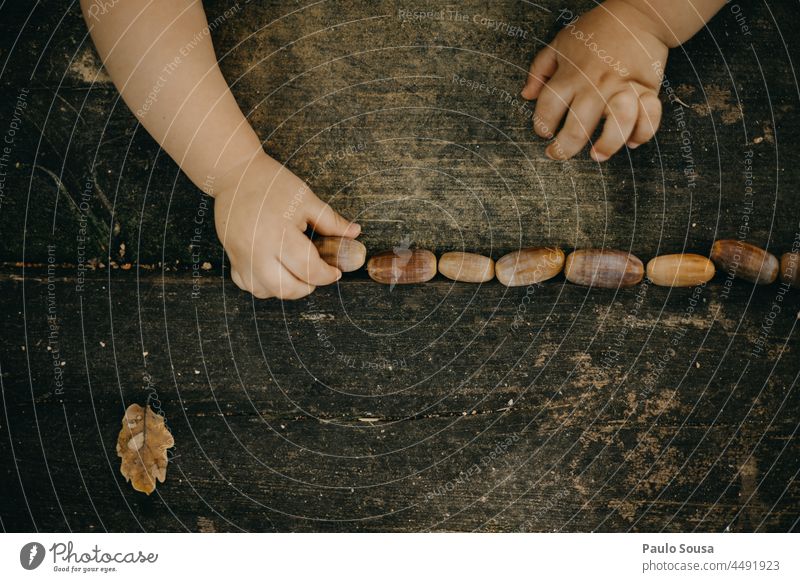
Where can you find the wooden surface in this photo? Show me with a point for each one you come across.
(439, 407)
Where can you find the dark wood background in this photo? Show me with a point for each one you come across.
(436, 407)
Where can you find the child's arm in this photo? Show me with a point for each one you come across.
(160, 57)
(609, 63)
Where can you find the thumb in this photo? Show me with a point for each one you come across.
(326, 221)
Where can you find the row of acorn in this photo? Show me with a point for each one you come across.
(605, 268)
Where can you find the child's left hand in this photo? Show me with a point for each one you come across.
(608, 63)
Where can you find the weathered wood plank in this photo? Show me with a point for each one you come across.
(365, 409)
(609, 435)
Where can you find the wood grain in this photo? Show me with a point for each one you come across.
(361, 408)
(364, 408)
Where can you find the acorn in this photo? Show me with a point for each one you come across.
(346, 254)
(466, 267)
(746, 261)
(605, 268)
(790, 269)
(681, 270)
(402, 266)
(529, 266)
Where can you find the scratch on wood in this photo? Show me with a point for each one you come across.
(87, 69)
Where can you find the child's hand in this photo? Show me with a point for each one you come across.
(608, 63)
(261, 213)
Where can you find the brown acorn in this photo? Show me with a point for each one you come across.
(790, 269)
(402, 266)
(467, 267)
(346, 254)
(605, 268)
(529, 266)
(681, 270)
(745, 261)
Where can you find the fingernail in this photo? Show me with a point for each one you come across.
(632, 145)
(549, 152)
(598, 157)
(339, 276)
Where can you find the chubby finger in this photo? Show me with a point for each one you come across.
(247, 284)
(621, 115)
(543, 67)
(280, 283)
(290, 287)
(648, 121)
(582, 119)
(554, 99)
(301, 258)
(325, 220)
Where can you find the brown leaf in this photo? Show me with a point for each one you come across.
(142, 444)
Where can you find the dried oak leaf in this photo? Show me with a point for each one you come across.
(142, 445)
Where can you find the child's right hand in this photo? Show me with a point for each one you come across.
(608, 63)
(261, 212)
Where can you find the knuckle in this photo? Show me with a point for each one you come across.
(626, 114)
(625, 107)
(552, 96)
(548, 92)
(625, 99)
(607, 79)
(573, 133)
